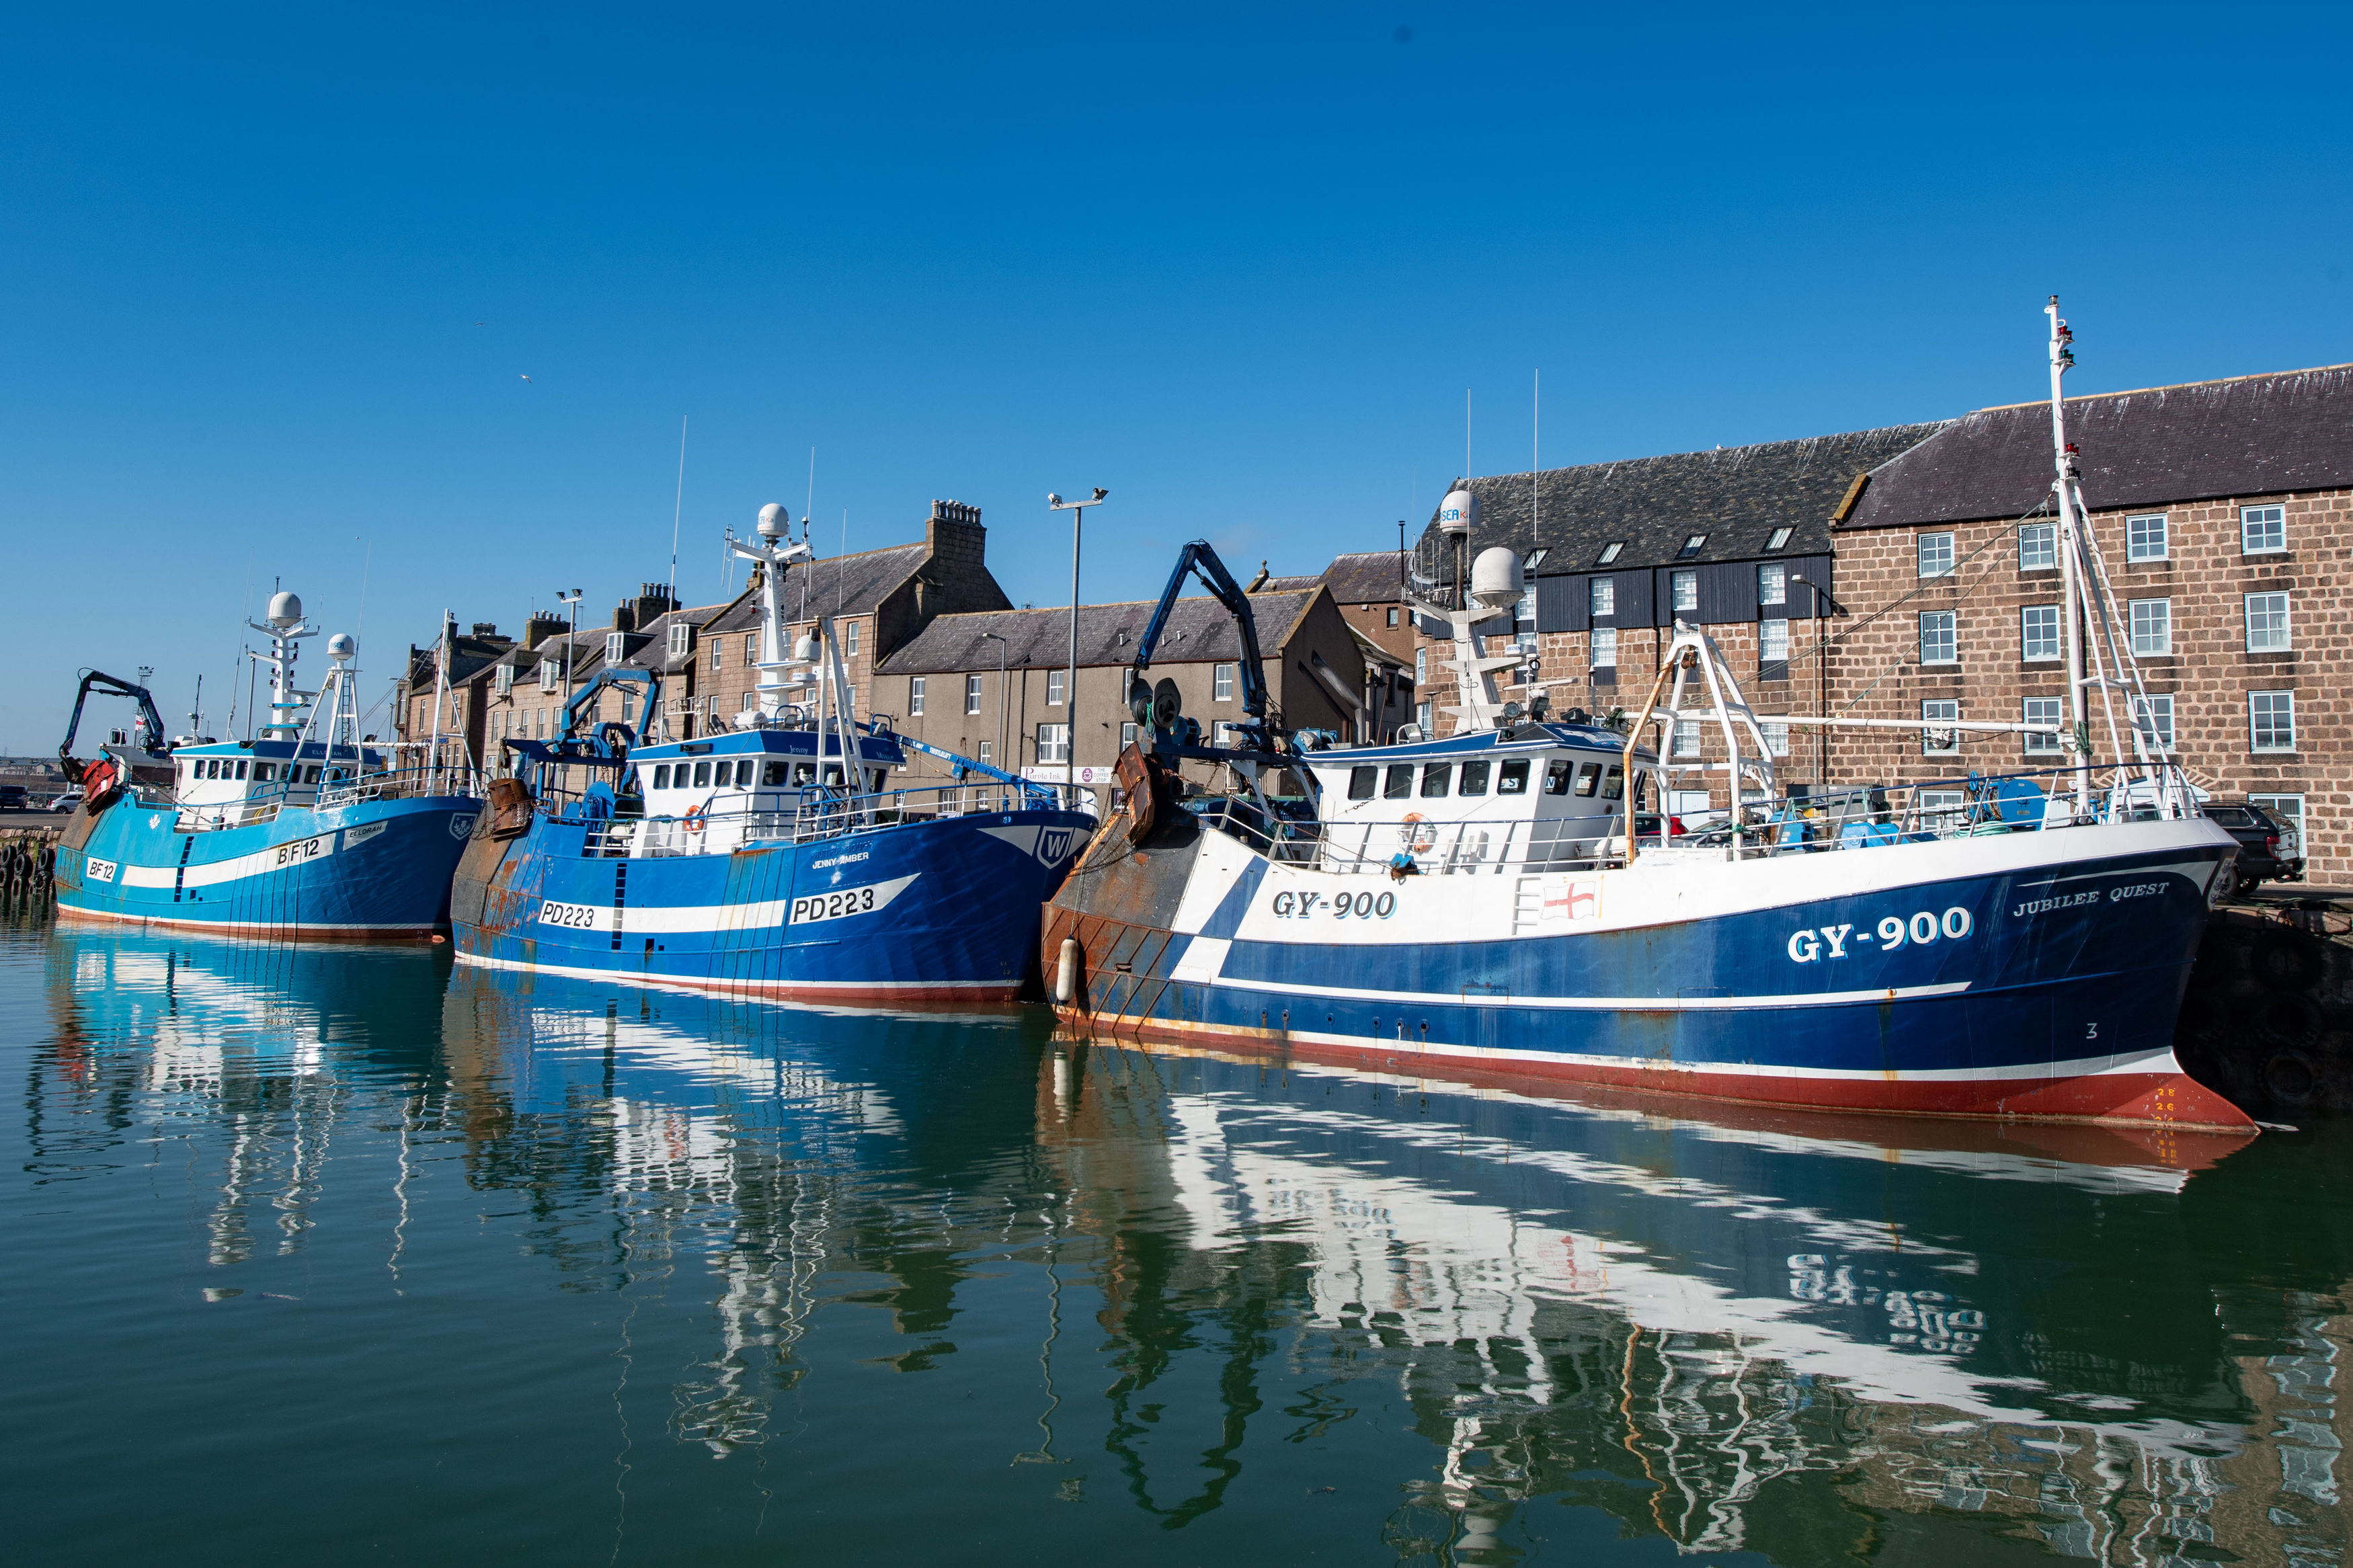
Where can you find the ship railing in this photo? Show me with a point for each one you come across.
(815, 814)
(394, 784)
(1862, 817)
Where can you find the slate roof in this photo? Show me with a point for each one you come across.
(1364, 577)
(2248, 436)
(843, 584)
(469, 657)
(1736, 495)
(1198, 628)
(654, 652)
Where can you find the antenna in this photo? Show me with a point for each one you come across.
(677, 507)
(1466, 432)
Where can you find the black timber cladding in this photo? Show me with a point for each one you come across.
(1644, 595)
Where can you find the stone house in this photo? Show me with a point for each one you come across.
(1369, 586)
(2224, 511)
(990, 685)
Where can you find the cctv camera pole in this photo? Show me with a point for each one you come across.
(1077, 509)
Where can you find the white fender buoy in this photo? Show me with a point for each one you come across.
(1066, 972)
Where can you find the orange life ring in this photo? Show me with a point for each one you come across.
(1417, 833)
(694, 818)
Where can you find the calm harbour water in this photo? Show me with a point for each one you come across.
(325, 1255)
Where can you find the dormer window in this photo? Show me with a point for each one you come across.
(1609, 552)
(614, 649)
(547, 673)
(502, 682)
(1780, 537)
(1693, 544)
(1535, 559)
(681, 640)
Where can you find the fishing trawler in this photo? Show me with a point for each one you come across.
(1500, 901)
(308, 830)
(773, 858)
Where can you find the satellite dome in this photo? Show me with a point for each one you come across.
(804, 650)
(1459, 512)
(285, 609)
(1495, 579)
(342, 647)
(775, 520)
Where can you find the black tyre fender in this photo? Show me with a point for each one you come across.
(2287, 963)
(2290, 1077)
(2286, 1018)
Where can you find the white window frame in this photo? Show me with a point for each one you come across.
(2149, 622)
(1053, 742)
(849, 639)
(1773, 642)
(1601, 596)
(2145, 536)
(972, 694)
(2278, 639)
(1127, 734)
(2276, 703)
(1935, 550)
(914, 697)
(718, 655)
(681, 639)
(2289, 810)
(2045, 556)
(1055, 683)
(751, 649)
(2026, 640)
(502, 683)
(1678, 600)
(1936, 809)
(989, 752)
(1605, 649)
(1420, 666)
(1686, 740)
(2042, 710)
(1928, 734)
(617, 648)
(1949, 623)
(1772, 583)
(1780, 537)
(1776, 735)
(548, 672)
(2153, 717)
(1221, 683)
(1609, 552)
(2272, 519)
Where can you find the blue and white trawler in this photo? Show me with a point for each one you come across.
(306, 830)
(771, 858)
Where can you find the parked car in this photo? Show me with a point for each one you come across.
(2266, 851)
(66, 802)
(15, 797)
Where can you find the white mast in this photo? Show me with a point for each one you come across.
(774, 551)
(285, 632)
(1489, 596)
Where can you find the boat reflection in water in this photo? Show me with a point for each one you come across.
(1213, 1302)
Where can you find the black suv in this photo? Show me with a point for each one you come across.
(12, 798)
(2260, 839)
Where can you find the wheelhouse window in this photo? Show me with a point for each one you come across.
(1557, 771)
(1398, 784)
(1362, 781)
(1436, 777)
(1613, 783)
(1474, 777)
(772, 774)
(1588, 779)
(661, 775)
(1511, 778)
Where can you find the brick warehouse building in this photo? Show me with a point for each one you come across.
(2224, 509)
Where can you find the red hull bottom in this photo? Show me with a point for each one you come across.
(254, 931)
(2164, 1101)
(899, 996)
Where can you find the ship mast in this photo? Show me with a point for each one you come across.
(773, 550)
(285, 631)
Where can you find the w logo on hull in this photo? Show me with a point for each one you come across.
(1053, 845)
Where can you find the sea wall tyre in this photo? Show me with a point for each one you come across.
(2289, 1078)
(2285, 1019)
(2285, 963)
(2202, 1018)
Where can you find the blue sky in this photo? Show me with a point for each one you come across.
(269, 281)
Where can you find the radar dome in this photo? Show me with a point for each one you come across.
(342, 647)
(804, 650)
(1495, 579)
(285, 609)
(775, 520)
(1459, 512)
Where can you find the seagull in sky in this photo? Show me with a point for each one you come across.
(533, 383)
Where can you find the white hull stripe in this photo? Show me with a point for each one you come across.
(205, 874)
(705, 919)
(1583, 1003)
(2158, 1061)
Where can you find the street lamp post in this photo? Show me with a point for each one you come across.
(571, 637)
(1001, 647)
(1822, 678)
(1077, 509)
